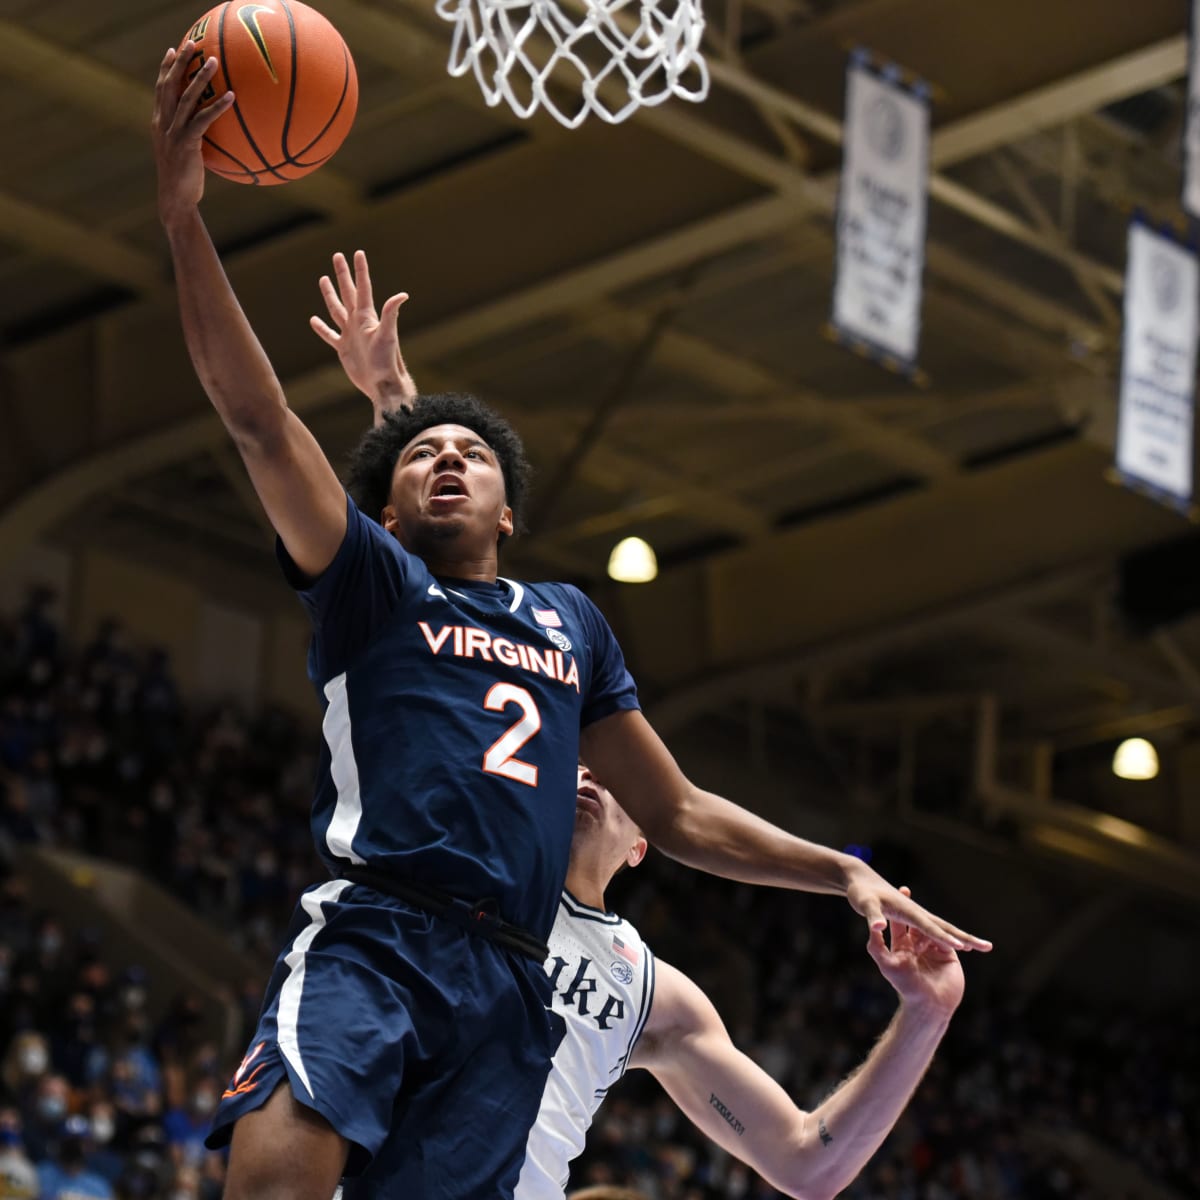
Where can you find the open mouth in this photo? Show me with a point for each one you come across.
(446, 491)
(588, 799)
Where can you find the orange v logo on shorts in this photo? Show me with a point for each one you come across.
(248, 15)
(241, 1086)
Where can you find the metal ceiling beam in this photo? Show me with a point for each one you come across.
(102, 92)
(692, 700)
(1060, 102)
(689, 355)
(759, 165)
(819, 197)
(1022, 189)
(1114, 664)
(65, 241)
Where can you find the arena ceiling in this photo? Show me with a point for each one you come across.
(841, 550)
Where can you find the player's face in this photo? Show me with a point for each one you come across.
(447, 488)
(602, 825)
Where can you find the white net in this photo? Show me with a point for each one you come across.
(579, 56)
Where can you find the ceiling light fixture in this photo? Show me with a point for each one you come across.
(1135, 758)
(632, 561)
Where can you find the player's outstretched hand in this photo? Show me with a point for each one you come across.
(179, 125)
(872, 897)
(367, 342)
(925, 974)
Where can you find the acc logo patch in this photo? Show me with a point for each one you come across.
(622, 972)
(559, 639)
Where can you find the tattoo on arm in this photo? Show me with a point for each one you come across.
(824, 1134)
(730, 1119)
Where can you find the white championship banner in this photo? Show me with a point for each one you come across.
(881, 213)
(1191, 128)
(1158, 368)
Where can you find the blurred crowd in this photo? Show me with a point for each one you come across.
(99, 753)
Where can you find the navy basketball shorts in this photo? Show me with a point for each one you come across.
(406, 1032)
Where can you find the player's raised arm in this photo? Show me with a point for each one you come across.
(714, 835)
(813, 1155)
(297, 486)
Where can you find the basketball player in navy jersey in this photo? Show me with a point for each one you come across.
(409, 1004)
(623, 1008)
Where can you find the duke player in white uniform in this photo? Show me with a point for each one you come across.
(622, 1008)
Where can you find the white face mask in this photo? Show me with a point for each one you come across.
(103, 1129)
(34, 1059)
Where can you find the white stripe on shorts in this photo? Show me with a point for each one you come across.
(293, 986)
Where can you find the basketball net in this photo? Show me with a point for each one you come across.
(609, 57)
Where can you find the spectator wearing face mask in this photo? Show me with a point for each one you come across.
(26, 1061)
(186, 1127)
(43, 1120)
(76, 1050)
(145, 1175)
(105, 1157)
(136, 1073)
(67, 1177)
(18, 1178)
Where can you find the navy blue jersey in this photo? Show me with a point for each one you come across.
(452, 719)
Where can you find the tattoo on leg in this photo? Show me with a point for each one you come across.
(824, 1134)
(730, 1119)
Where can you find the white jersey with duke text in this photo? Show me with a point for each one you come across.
(602, 974)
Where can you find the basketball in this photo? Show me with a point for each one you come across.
(295, 85)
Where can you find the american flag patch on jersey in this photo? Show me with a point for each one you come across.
(548, 617)
(626, 952)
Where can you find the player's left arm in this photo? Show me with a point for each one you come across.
(732, 1100)
(708, 832)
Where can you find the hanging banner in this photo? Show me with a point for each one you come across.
(1158, 368)
(1191, 127)
(881, 212)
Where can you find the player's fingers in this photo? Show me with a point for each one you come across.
(362, 280)
(950, 936)
(329, 294)
(164, 68)
(173, 83)
(345, 282)
(877, 947)
(900, 928)
(166, 97)
(207, 117)
(190, 98)
(329, 336)
(391, 308)
(938, 931)
(968, 941)
(873, 915)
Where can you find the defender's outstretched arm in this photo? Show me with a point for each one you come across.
(809, 1155)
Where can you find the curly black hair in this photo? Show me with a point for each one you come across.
(369, 478)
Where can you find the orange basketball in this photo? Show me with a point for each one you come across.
(295, 83)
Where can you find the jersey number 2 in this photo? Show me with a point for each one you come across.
(499, 759)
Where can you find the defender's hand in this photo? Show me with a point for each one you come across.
(179, 125)
(928, 977)
(367, 342)
(871, 896)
